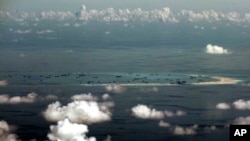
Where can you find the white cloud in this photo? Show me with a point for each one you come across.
(173, 114)
(208, 16)
(65, 130)
(44, 31)
(223, 106)
(164, 124)
(19, 31)
(58, 15)
(5, 132)
(214, 49)
(29, 98)
(3, 83)
(242, 121)
(178, 130)
(106, 97)
(242, 104)
(126, 15)
(87, 97)
(115, 88)
(86, 112)
(144, 112)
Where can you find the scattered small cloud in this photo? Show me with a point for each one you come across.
(242, 121)
(87, 97)
(178, 130)
(115, 88)
(65, 130)
(165, 15)
(19, 31)
(214, 49)
(222, 106)
(44, 31)
(191, 130)
(3, 83)
(173, 114)
(106, 97)
(242, 104)
(86, 112)
(144, 112)
(164, 124)
(29, 98)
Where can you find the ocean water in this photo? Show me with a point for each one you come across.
(149, 56)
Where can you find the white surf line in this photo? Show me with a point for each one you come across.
(219, 81)
(132, 84)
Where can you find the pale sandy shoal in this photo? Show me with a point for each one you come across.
(219, 81)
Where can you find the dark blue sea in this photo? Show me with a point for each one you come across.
(155, 64)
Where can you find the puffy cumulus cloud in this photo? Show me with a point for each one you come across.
(115, 88)
(214, 49)
(86, 112)
(223, 106)
(242, 121)
(29, 98)
(5, 132)
(144, 112)
(3, 83)
(65, 130)
(178, 130)
(87, 97)
(242, 104)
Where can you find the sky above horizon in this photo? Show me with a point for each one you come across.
(62, 5)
